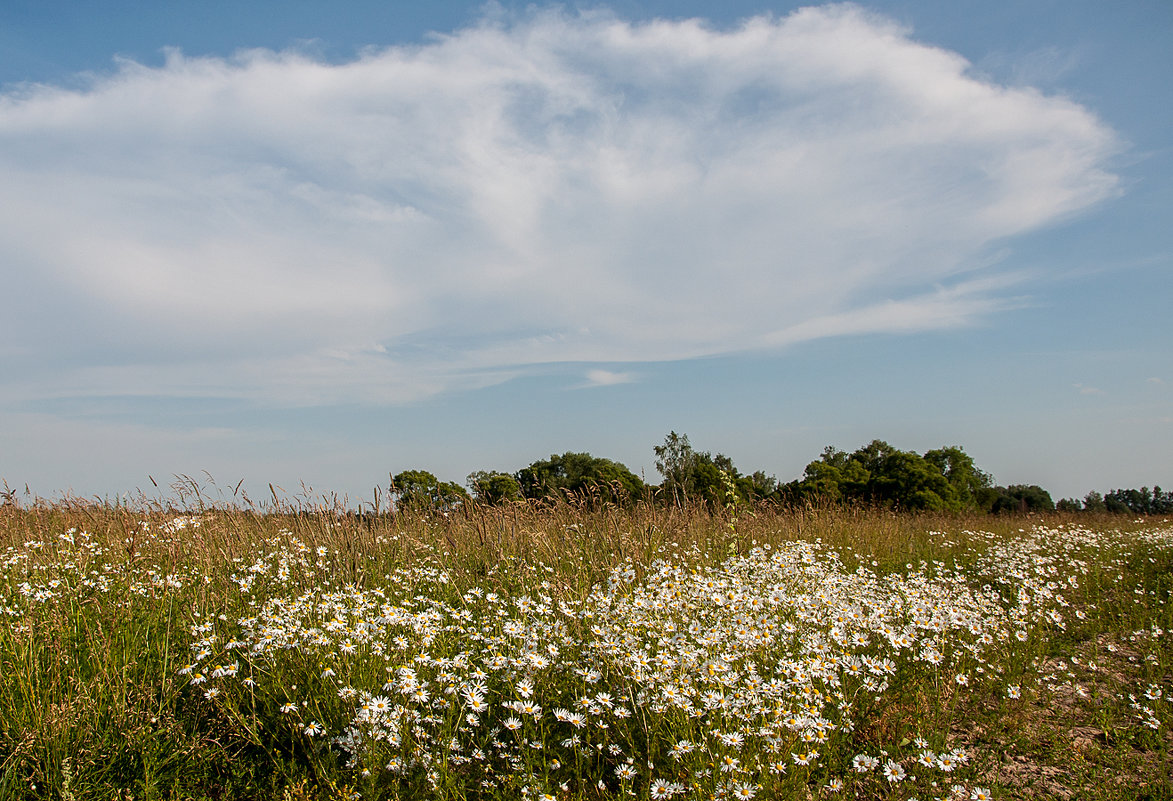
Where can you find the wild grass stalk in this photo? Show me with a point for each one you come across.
(576, 649)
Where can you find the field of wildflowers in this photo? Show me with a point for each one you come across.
(581, 652)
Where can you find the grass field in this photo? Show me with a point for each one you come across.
(581, 652)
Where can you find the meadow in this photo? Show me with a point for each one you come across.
(580, 650)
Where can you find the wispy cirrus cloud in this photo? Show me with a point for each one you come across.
(530, 190)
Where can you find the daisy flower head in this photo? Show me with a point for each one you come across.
(661, 789)
(732, 739)
(864, 763)
(894, 771)
(744, 791)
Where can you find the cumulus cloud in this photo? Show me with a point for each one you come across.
(542, 189)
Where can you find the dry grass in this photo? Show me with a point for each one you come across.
(93, 706)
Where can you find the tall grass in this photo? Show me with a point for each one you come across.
(579, 650)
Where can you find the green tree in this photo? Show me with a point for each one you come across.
(419, 489)
(691, 475)
(904, 480)
(1023, 498)
(821, 480)
(881, 474)
(1094, 502)
(761, 485)
(706, 481)
(676, 461)
(451, 495)
(972, 487)
(578, 473)
(832, 478)
(1141, 501)
(493, 488)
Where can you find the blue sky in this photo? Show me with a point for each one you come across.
(313, 244)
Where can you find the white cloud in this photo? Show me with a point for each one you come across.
(607, 378)
(1047, 66)
(551, 188)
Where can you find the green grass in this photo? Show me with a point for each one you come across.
(304, 653)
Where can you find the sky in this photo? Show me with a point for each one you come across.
(310, 244)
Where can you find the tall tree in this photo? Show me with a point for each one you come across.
(676, 461)
(880, 473)
(904, 480)
(419, 489)
(578, 473)
(1094, 502)
(493, 488)
(972, 487)
(1023, 498)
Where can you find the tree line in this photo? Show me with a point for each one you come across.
(877, 474)
(1143, 501)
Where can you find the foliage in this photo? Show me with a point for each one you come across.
(579, 473)
(691, 475)
(676, 462)
(1094, 502)
(419, 489)
(1140, 502)
(1022, 498)
(877, 473)
(972, 487)
(943, 479)
(493, 488)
